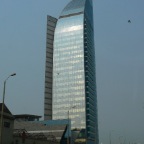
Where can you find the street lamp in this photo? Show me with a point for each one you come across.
(2, 110)
(120, 139)
(68, 122)
(110, 136)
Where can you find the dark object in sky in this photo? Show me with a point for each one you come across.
(129, 21)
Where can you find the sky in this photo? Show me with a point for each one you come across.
(119, 47)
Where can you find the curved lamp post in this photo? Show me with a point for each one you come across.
(2, 110)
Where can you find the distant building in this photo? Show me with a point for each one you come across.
(26, 117)
(70, 76)
(8, 125)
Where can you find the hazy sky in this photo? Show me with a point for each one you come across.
(119, 61)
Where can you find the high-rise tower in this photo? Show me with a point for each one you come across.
(73, 77)
(51, 24)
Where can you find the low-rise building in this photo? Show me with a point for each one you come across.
(27, 129)
(8, 125)
(41, 132)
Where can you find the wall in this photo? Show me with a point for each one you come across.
(18, 140)
(7, 131)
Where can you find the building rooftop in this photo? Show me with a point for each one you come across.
(7, 113)
(33, 129)
(75, 6)
(27, 117)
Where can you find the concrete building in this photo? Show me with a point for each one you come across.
(27, 129)
(70, 78)
(8, 125)
(51, 24)
(40, 132)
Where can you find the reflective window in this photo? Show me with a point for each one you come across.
(68, 71)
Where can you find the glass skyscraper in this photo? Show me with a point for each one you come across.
(70, 78)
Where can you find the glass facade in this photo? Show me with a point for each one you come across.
(74, 79)
(68, 71)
